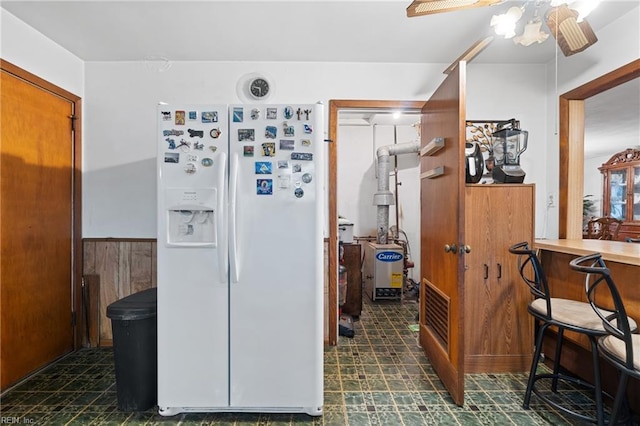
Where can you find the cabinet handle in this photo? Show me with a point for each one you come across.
(499, 270)
(486, 271)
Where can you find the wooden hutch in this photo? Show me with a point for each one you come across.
(621, 193)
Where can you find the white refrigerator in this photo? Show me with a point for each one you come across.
(240, 258)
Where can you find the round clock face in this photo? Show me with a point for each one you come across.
(259, 88)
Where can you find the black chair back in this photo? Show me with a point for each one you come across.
(532, 273)
(599, 282)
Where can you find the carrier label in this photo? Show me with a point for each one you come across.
(388, 256)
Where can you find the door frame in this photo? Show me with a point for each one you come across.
(76, 188)
(336, 105)
(571, 142)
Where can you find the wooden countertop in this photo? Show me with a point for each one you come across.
(615, 251)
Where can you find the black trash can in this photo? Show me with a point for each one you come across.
(134, 323)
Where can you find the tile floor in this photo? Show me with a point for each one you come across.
(379, 377)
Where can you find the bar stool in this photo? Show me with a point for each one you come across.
(621, 347)
(563, 314)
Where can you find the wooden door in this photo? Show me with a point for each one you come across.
(36, 177)
(442, 217)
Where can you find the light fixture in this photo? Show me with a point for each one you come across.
(565, 19)
(505, 23)
(532, 32)
(428, 7)
(572, 36)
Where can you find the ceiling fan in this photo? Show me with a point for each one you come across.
(564, 19)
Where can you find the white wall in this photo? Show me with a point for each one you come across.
(618, 44)
(120, 150)
(30, 50)
(502, 92)
(120, 131)
(357, 182)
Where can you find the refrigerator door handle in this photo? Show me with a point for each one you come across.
(223, 254)
(233, 242)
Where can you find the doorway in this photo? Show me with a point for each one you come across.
(336, 106)
(40, 192)
(571, 139)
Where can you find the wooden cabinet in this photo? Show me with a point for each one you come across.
(498, 334)
(352, 261)
(621, 192)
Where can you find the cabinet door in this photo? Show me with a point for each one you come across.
(479, 272)
(618, 194)
(512, 221)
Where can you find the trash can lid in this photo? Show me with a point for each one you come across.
(140, 305)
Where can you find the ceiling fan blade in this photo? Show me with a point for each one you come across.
(429, 7)
(572, 36)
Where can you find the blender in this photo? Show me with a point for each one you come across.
(509, 142)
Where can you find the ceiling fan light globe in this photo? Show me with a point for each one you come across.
(505, 23)
(514, 13)
(504, 28)
(532, 34)
(584, 8)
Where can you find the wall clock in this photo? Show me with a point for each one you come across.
(255, 87)
(259, 88)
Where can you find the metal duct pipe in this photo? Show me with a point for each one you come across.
(383, 198)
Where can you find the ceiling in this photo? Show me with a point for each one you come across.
(306, 30)
(612, 120)
(266, 30)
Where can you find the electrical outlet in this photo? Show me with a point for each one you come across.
(551, 200)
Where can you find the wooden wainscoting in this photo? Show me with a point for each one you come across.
(117, 267)
(124, 266)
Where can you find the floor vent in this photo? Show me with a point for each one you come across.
(436, 313)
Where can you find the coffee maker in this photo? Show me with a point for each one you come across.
(509, 142)
(474, 162)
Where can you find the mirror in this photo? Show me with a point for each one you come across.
(610, 126)
(571, 141)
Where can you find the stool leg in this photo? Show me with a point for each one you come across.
(597, 381)
(556, 360)
(620, 398)
(534, 366)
